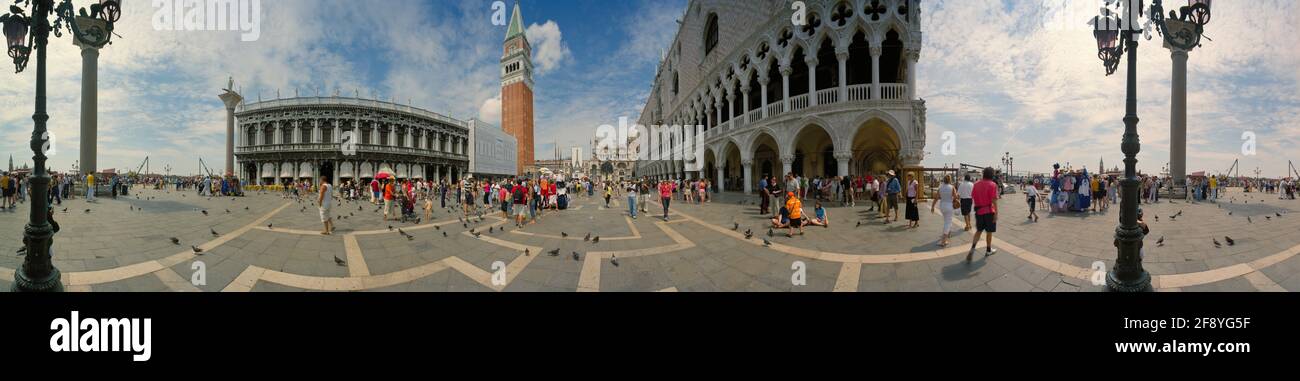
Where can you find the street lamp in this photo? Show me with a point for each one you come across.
(23, 34)
(1128, 275)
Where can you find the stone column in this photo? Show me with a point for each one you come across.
(744, 101)
(748, 166)
(722, 177)
(787, 164)
(876, 51)
(89, 106)
(811, 60)
(843, 58)
(1178, 119)
(842, 161)
(337, 136)
(731, 107)
(762, 82)
(231, 99)
(785, 87)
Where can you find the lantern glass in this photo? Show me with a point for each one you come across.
(112, 9)
(1200, 10)
(15, 32)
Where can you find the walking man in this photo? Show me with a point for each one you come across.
(985, 196)
(964, 192)
(631, 199)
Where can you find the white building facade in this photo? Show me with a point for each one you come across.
(346, 138)
(491, 151)
(763, 95)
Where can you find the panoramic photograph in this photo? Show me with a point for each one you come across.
(644, 146)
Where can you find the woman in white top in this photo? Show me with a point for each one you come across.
(1031, 196)
(944, 198)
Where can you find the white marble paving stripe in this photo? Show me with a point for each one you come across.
(847, 281)
(174, 281)
(246, 280)
(589, 278)
(1263, 282)
(356, 262)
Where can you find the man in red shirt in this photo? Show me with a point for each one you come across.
(985, 196)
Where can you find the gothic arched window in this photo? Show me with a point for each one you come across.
(711, 33)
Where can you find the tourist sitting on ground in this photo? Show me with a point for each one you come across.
(782, 220)
(819, 216)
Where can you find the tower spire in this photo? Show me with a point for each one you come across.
(516, 23)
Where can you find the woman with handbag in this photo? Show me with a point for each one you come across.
(948, 203)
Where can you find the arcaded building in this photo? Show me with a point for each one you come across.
(346, 138)
(832, 95)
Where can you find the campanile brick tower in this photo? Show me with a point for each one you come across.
(517, 90)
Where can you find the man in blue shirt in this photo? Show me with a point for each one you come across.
(892, 191)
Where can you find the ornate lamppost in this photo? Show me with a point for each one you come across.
(26, 30)
(1128, 275)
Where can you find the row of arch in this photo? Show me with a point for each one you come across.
(272, 172)
(861, 52)
(871, 144)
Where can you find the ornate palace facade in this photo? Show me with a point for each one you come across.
(835, 95)
(347, 138)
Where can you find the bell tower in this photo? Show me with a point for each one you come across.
(517, 90)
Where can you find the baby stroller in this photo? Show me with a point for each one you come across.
(408, 209)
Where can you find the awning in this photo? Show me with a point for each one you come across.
(286, 170)
(401, 172)
(367, 170)
(268, 170)
(306, 170)
(345, 170)
(417, 172)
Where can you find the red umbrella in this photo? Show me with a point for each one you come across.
(383, 175)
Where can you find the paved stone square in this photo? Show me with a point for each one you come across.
(265, 242)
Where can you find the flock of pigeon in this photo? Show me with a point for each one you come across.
(464, 221)
(1226, 239)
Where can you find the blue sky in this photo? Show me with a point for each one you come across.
(1025, 80)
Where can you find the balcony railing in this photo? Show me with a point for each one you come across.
(860, 92)
(893, 91)
(799, 102)
(856, 93)
(775, 109)
(828, 96)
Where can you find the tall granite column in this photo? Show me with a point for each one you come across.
(231, 99)
(89, 105)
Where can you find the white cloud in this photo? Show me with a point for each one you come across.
(491, 111)
(549, 50)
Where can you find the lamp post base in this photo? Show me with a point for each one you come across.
(1142, 283)
(51, 282)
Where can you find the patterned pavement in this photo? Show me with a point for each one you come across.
(124, 245)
